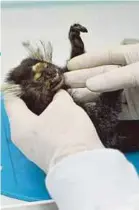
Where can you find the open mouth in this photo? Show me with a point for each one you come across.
(57, 82)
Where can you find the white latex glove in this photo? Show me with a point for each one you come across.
(77, 81)
(61, 130)
(121, 55)
(99, 179)
(63, 142)
(107, 77)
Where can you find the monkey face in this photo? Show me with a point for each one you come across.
(37, 73)
(48, 74)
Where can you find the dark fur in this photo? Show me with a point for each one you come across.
(75, 40)
(34, 93)
(104, 114)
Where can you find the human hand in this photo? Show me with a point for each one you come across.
(121, 55)
(108, 77)
(61, 130)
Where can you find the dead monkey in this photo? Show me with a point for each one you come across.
(40, 80)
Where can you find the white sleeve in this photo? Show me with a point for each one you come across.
(100, 179)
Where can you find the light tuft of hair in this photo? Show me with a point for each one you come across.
(9, 90)
(43, 52)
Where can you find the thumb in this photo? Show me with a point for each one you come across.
(77, 78)
(60, 103)
(119, 78)
(62, 96)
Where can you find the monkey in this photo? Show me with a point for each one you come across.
(40, 80)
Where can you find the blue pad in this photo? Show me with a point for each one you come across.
(134, 159)
(20, 178)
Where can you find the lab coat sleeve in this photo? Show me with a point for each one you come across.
(99, 179)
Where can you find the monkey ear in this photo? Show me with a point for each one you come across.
(18, 74)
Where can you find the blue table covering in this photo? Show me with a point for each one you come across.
(20, 178)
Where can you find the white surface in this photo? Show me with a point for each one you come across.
(107, 24)
(13, 204)
(101, 179)
(10, 201)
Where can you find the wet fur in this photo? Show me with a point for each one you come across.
(104, 114)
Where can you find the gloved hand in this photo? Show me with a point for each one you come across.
(108, 70)
(61, 130)
(63, 142)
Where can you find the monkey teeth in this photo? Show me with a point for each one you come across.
(59, 85)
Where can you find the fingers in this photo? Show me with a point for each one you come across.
(124, 77)
(83, 95)
(113, 56)
(89, 60)
(77, 79)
